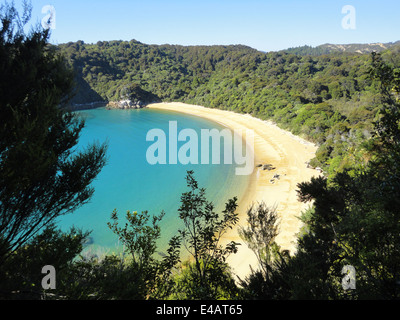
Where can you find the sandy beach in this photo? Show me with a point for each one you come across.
(272, 145)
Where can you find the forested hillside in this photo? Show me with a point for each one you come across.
(348, 247)
(328, 99)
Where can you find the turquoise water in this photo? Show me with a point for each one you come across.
(129, 182)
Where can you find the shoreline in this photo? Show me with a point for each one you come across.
(272, 145)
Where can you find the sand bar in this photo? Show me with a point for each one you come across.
(272, 145)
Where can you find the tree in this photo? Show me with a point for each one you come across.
(259, 235)
(261, 232)
(205, 275)
(356, 217)
(201, 236)
(139, 236)
(50, 247)
(354, 220)
(41, 175)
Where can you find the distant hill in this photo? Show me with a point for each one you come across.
(349, 48)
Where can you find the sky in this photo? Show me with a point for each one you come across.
(266, 25)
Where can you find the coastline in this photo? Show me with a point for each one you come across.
(272, 145)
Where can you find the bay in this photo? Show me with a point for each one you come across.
(129, 183)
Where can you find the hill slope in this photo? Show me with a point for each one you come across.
(349, 48)
(327, 98)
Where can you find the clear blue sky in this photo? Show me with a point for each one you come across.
(266, 25)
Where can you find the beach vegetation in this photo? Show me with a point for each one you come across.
(354, 221)
(207, 276)
(325, 97)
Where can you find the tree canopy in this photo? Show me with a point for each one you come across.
(346, 103)
(41, 177)
(328, 98)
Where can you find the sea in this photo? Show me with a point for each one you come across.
(128, 182)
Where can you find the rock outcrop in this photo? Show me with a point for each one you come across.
(132, 96)
(126, 104)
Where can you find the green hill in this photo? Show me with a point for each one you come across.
(326, 98)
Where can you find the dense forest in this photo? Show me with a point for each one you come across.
(328, 99)
(348, 103)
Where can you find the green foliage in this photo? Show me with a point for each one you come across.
(355, 220)
(266, 282)
(346, 105)
(135, 93)
(203, 229)
(261, 232)
(220, 282)
(140, 239)
(310, 95)
(20, 274)
(109, 277)
(41, 177)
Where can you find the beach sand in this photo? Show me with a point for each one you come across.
(272, 145)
